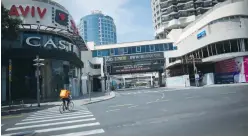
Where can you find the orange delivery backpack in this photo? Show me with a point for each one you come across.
(63, 93)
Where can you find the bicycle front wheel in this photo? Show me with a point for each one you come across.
(61, 108)
(71, 106)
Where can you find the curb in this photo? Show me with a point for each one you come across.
(86, 103)
(25, 133)
(18, 111)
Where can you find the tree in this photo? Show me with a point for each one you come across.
(9, 25)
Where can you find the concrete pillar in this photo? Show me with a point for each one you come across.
(159, 79)
(124, 82)
(103, 84)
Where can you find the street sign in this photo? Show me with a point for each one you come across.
(196, 60)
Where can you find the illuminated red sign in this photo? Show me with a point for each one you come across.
(25, 11)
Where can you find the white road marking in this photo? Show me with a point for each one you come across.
(56, 116)
(164, 100)
(121, 105)
(40, 121)
(50, 124)
(133, 106)
(85, 133)
(65, 128)
(157, 101)
(112, 110)
(151, 102)
(159, 121)
(58, 113)
(2, 125)
(191, 97)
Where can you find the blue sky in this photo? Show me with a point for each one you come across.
(133, 18)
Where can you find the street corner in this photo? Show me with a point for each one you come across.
(111, 95)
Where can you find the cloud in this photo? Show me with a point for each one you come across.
(124, 17)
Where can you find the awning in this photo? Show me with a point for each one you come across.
(43, 53)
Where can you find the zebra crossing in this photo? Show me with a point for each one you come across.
(80, 122)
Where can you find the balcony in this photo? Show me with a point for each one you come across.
(168, 4)
(170, 10)
(200, 11)
(169, 17)
(186, 7)
(183, 14)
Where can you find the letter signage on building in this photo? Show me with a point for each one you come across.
(51, 43)
(133, 68)
(201, 34)
(24, 11)
(136, 57)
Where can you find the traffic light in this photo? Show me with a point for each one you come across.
(108, 69)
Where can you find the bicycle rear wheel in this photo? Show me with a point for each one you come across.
(61, 108)
(71, 106)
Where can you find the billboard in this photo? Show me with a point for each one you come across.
(135, 68)
(232, 71)
(136, 57)
(44, 13)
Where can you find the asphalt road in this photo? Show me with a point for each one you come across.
(159, 111)
(203, 111)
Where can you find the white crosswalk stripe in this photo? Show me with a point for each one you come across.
(80, 122)
(85, 133)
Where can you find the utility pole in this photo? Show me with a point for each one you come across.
(89, 86)
(38, 64)
(106, 74)
(10, 79)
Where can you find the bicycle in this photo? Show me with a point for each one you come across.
(70, 107)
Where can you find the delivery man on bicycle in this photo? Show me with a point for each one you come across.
(65, 95)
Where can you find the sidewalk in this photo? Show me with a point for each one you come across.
(107, 96)
(17, 109)
(208, 86)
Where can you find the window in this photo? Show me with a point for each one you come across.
(147, 48)
(99, 53)
(125, 50)
(157, 47)
(111, 51)
(161, 47)
(151, 47)
(96, 66)
(105, 53)
(94, 53)
(138, 49)
(129, 50)
(116, 51)
(120, 51)
(170, 46)
(133, 49)
(166, 47)
(143, 49)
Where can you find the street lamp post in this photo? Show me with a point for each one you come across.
(38, 64)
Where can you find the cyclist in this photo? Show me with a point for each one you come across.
(65, 96)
